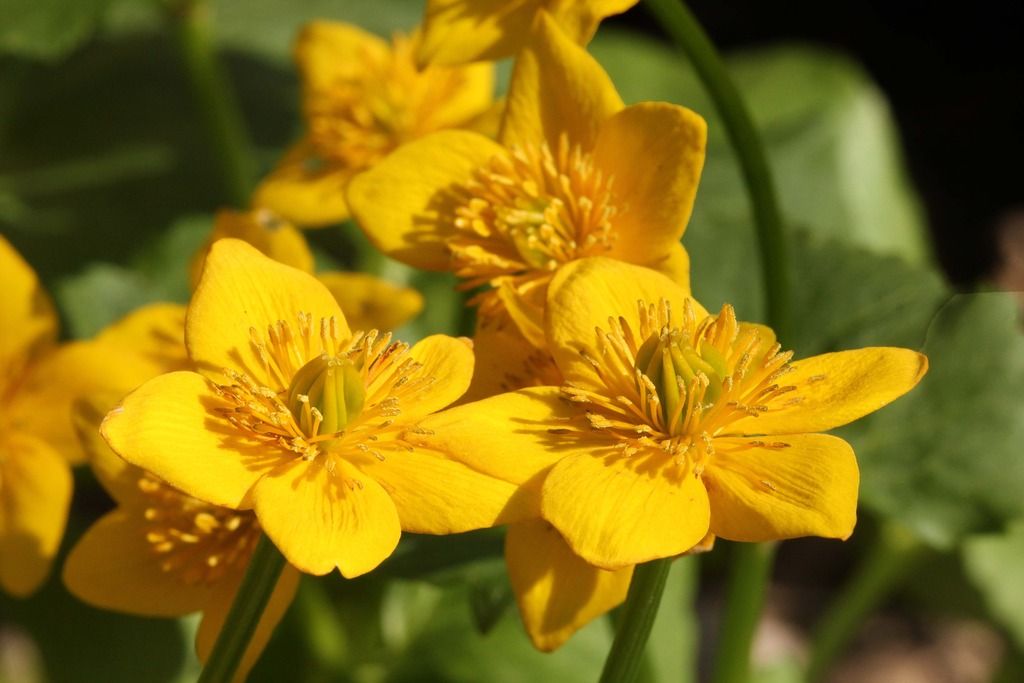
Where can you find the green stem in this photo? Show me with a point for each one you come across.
(750, 572)
(627, 653)
(222, 118)
(688, 35)
(253, 595)
(886, 565)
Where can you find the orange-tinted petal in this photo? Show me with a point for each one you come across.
(557, 592)
(324, 518)
(241, 290)
(617, 510)
(834, 389)
(168, 426)
(370, 303)
(35, 491)
(765, 493)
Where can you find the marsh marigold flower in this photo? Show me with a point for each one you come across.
(39, 380)
(367, 301)
(460, 31)
(575, 174)
(362, 97)
(304, 421)
(673, 422)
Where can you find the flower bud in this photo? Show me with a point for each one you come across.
(325, 395)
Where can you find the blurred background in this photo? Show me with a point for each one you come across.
(893, 131)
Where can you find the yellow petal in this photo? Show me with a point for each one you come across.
(168, 426)
(585, 293)
(654, 152)
(557, 592)
(437, 495)
(305, 188)
(505, 361)
(27, 318)
(215, 613)
(241, 289)
(808, 488)
(35, 491)
(579, 20)
(675, 266)
(323, 519)
(114, 567)
(327, 51)
(557, 89)
(404, 204)
(507, 436)
(461, 31)
(155, 334)
(617, 510)
(370, 303)
(274, 237)
(449, 362)
(118, 477)
(834, 389)
(524, 305)
(42, 404)
(465, 104)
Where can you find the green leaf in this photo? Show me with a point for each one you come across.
(945, 460)
(995, 563)
(47, 29)
(830, 138)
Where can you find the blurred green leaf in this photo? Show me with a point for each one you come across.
(829, 135)
(675, 637)
(945, 460)
(47, 29)
(995, 563)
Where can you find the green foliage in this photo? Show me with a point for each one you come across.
(995, 562)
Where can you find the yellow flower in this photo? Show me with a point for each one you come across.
(362, 97)
(672, 423)
(304, 421)
(576, 174)
(367, 301)
(460, 31)
(161, 552)
(39, 380)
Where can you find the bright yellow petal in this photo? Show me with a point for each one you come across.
(35, 491)
(505, 361)
(274, 237)
(118, 477)
(461, 31)
(215, 613)
(557, 89)
(241, 289)
(617, 510)
(324, 519)
(404, 204)
(305, 188)
(807, 488)
(438, 495)
(449, 362)
(155, 333)
(524, 305)
(114, 567)
(42, 404)
(834, 389)
(326, 51)
(472, 98)
(168, 426)
(507, 436)
(587, 292)
(654, 152)
(557, 592)
(675, 266)
(27, 318)
(370, 303)
(579, 20)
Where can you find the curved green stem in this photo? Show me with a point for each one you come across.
(751, 571)
(688, 35)
(886, 565)
(222, 118)
(627, 653)
(253, 595)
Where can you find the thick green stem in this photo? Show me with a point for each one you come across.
(886, 565)
(627, 653)
(688, 35)
(750, 572)
(222, 118)
(253, 595)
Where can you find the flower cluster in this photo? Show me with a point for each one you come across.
(600, 411)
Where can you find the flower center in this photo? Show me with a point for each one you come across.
(326, 394)
(530, 210)
(377, 103)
